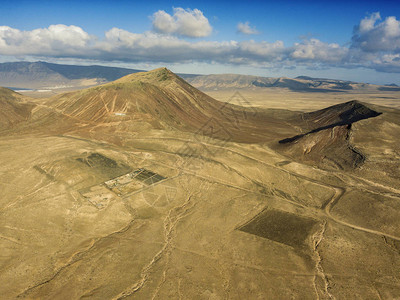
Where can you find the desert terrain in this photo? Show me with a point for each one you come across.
(303, 101)
(148, 188)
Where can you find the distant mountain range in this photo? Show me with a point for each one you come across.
(160, 99)
(39, 75)
(301, 83)
(43, 75)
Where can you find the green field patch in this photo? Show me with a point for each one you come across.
(280, 226)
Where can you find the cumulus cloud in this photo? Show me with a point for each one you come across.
(375, 45)
(121, 45)
(44, 41)
(154, 47)
(184, 22)
(389, 63)
(368, 22)
(374, 36)
(245, 28)
(315, 50)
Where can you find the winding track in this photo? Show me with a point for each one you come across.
(326, 208)
(324, 211)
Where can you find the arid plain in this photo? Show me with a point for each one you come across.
(147, 188)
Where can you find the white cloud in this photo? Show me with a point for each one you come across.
(262, 51)
(150, 46)
(122, 45)
(368, 23)
(389, 63)
(375, 45)
(44, 41)
(246, 29)
(184, 22)
(371, 36)
(315, 50)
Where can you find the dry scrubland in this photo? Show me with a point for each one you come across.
(305, 101)
(146, 188)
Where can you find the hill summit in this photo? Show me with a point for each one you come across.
(162, 99)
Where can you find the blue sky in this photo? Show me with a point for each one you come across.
(354, 40)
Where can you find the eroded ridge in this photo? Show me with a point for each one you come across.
(328, 143)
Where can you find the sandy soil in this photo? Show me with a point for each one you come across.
(284, 99)
(115, 210)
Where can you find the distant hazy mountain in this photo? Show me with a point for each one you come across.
(301, 83)
(47, 75)
(42, 75)
(390, 88)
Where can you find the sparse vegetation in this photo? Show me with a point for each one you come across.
(149, 188)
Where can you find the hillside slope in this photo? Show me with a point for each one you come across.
(164, 100)
(13, 109)
(327, 142)
(147, 188)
